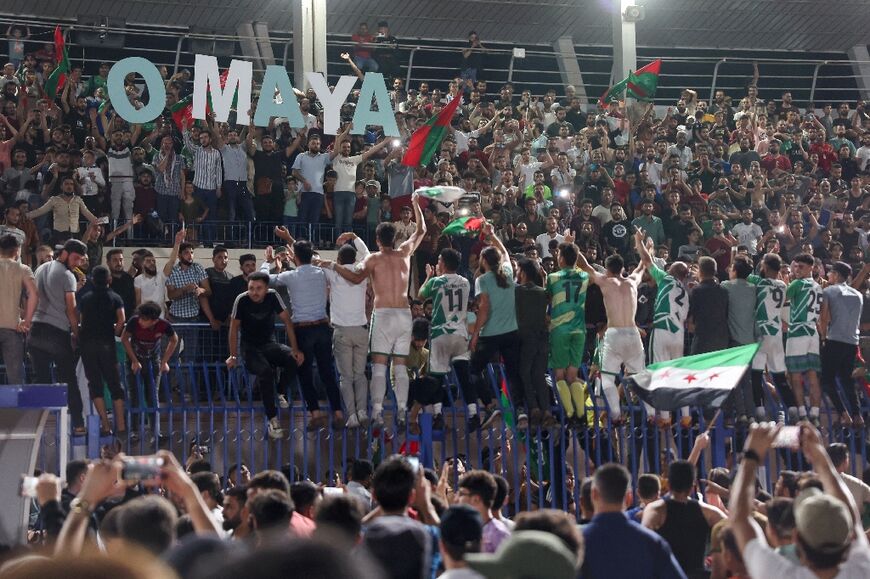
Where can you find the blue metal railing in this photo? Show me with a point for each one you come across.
(201, 403)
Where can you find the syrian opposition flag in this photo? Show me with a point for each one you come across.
(442, 194)
(464, 226)
(427, 139)
(700, 380)
(55, 80)
(641, 85)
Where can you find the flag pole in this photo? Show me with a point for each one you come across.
(712, 423)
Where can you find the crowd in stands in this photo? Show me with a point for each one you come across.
(741, 224)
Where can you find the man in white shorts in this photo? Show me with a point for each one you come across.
(802, 357)
(621, 345)
(390, 329)
(768, 322)
(450, 293)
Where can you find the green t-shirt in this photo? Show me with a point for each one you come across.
(567, 289)
(449, 293)
(502, 302)
(805, 304)
(770, 298)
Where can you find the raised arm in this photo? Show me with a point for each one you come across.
(408, 247)
(170, 261)
(377, 147)
(339, 139)
(346, 57)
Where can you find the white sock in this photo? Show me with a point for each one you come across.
(379, 384)
(436, 408)
(814, 411)
(802, 411)
(608, 383)
(472, 409)
(401, 386)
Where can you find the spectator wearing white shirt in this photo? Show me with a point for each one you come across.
(345, 167)
(350, 338)
(747, 232)
(544, 239)
(91, 179)
(150, 285)
(602, 210)
(526, 167)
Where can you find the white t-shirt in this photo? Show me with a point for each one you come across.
(762, 561)
(748, 235)
(527, 172)
(347, 301)
(859, 489)
(345, 167)
(863, 157)
(153, 289)
(543, 241)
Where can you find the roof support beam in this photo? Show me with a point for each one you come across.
(569, 66)
(309, 39)
(624, 42)
(861, 67)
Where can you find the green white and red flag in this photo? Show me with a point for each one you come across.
(640, 84)
(699, 380)
(468, 225)
(441, 193)
(181, 110)
(427, 139)
(55, 80)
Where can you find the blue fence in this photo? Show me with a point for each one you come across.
(201, 403)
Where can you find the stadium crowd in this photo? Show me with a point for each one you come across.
(613, 237)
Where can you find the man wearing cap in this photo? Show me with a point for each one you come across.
(838, 331)
(829, 536)
(55, 329)
(461, 534)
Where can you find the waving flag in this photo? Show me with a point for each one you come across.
(444, 194)
(699, 380)
(464, 226)
(426, 140)
(641, 85)
(181, 110)
(55, 80)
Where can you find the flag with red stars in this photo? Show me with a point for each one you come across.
(699, 380)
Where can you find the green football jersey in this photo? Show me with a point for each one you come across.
(805, 303)
(770, 299)
(567, 289)
(672, 302)
(449, 293)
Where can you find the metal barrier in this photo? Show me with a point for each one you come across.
(200, 403)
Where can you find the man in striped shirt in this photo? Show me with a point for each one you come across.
(168, 180)
(207, 174)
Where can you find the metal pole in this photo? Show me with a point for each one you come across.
(511, 69)
(713, 83)
(286, 48)
(815, 78)
(410, 66)
(178, 53)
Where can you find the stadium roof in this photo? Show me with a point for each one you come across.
(738, 24)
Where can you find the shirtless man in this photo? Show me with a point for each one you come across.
(621, 344)
(390, 330)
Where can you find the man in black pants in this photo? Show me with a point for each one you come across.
(55, 331)
(102, 312)
(253, 316)
(839, 329)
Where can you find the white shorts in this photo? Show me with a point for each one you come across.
(390, 332)
(622, 346)
(802, 354)
(771, 355)
(666, 345)
(444, 349)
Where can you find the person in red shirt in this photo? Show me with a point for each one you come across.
(362, 51)
(719, 247)
(773, 161)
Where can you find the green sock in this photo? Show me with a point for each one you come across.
(565, 397)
